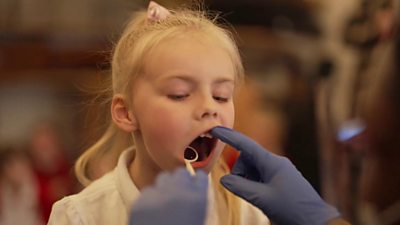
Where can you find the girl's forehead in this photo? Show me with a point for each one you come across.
(171, 44)
(187, 55)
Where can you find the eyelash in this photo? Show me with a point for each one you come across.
(178, 97)
(183, 97)
(221, 99)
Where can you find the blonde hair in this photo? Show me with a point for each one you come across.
(137, 40)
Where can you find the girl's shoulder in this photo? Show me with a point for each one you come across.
(101, 186)
(91, 203)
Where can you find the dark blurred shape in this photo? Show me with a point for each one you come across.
(273, 14)
(326, 68)
(35, 52)
(374, 32)
(370, 24)
(359, 31)
(380, 178)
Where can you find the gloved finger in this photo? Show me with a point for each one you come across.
(244, 168)
(182, 177)
(201, 180)
(240, 168)
(251, 150)
(162, 179)
(254, 192)
(237, 140)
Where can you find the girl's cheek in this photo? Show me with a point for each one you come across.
(229, 118)
(165, 124)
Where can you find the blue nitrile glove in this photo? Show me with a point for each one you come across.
(176, 199)
(272, 183)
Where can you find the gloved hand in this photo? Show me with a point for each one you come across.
(272, 183)
(176, 199)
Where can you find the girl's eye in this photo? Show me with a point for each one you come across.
(221, 99)
(178, 97)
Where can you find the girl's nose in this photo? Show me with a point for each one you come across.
(207, 110)
(209, 113)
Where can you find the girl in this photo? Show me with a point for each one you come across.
(174, 76)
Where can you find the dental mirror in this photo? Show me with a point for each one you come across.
(190, 156)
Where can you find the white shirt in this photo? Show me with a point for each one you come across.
(109, 199)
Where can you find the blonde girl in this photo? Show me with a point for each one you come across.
(173, 78)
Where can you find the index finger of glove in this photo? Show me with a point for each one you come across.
(253, 152)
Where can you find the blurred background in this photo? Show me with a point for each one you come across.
(315, 70)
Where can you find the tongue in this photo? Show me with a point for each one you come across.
(202, 155)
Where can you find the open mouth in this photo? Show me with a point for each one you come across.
(203, 146)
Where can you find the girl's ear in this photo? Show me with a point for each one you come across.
(121, 114)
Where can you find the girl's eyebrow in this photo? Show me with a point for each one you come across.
(178, 77)
(224, 81)
(190, 79)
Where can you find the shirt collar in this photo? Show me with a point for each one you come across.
(128, 190)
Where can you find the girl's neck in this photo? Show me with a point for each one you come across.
(142, 177)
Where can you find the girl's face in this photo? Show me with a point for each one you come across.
(186, 89)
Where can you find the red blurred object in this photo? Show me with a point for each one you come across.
(51, 167)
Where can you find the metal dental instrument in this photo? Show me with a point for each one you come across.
(192, 158)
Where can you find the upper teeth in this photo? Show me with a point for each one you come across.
(206, 135)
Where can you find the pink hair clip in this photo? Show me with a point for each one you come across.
(156, 12)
